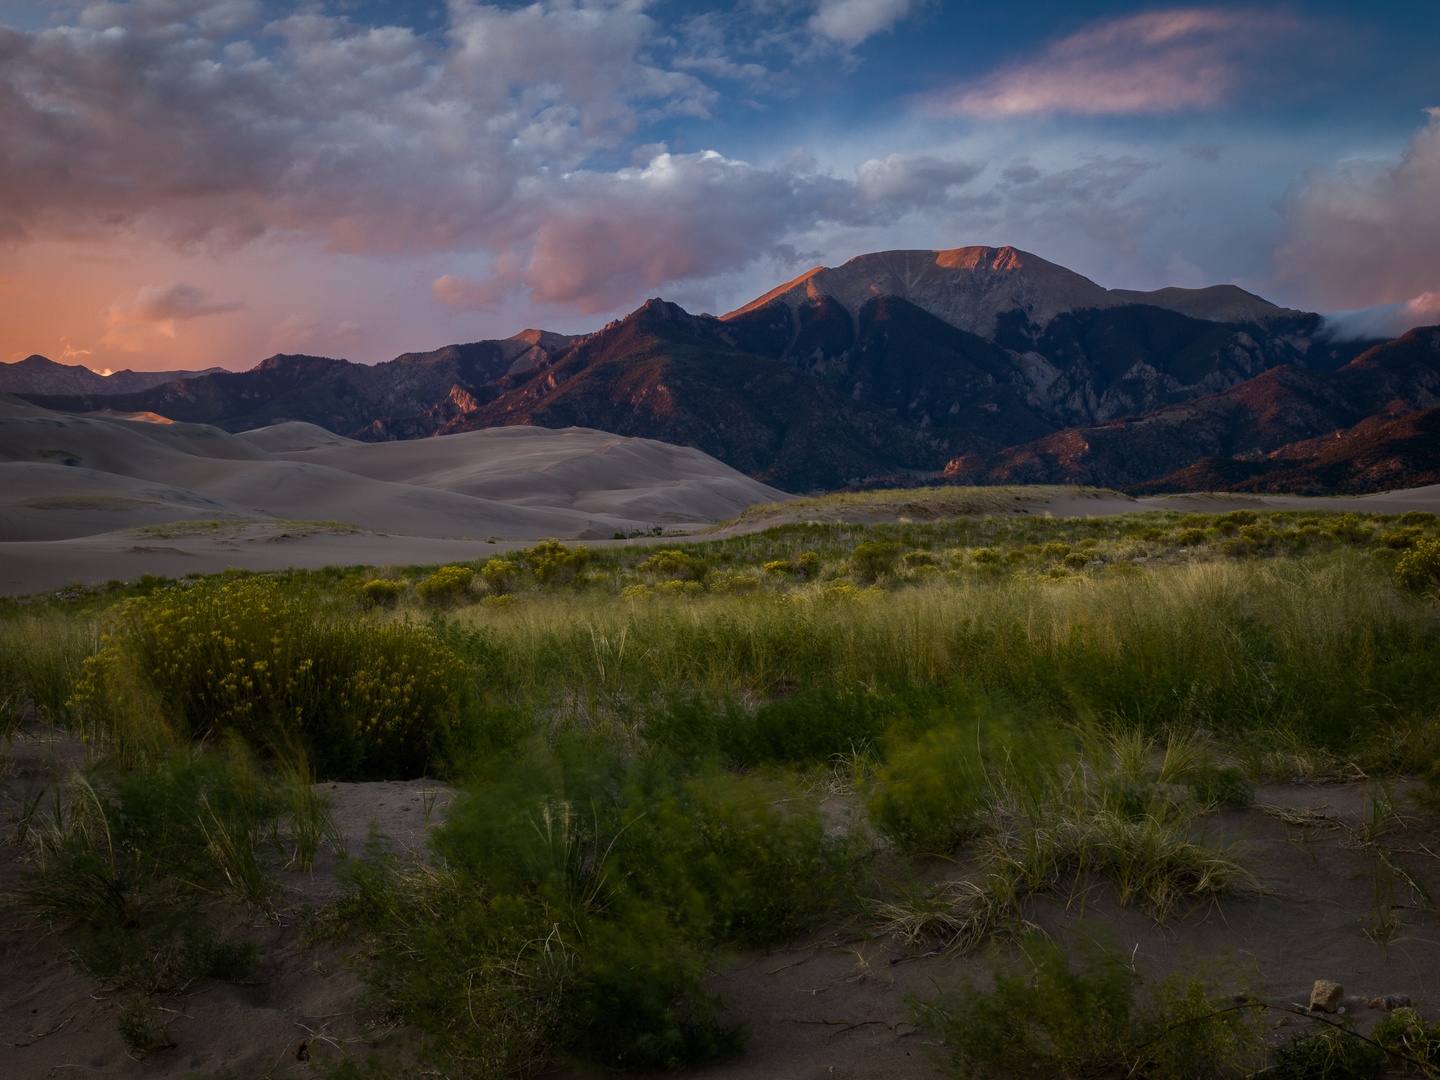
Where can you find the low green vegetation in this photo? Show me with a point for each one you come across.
(670, 753)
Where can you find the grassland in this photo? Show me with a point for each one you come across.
(668, 754)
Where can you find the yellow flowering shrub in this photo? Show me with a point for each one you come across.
(447, 583)
(260, 660)
(1419, 568)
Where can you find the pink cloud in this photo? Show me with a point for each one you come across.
(467, 294)
(1366, 233)
(1155, 62)
(156, 310)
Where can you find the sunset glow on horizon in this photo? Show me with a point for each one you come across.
(189, 183)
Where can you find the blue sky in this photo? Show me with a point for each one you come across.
(188, 182)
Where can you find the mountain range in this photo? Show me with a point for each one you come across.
(974, 365)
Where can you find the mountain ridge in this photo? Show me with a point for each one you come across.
(835, 378)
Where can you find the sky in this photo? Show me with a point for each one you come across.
(188, 183)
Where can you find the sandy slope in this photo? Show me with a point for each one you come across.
(73, 490)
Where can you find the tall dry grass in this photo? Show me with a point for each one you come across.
(1320, 644)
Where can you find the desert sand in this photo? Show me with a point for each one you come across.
(91, 498)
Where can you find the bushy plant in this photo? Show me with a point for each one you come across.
(1090, 1014)
(447, 584)
(382, 592)
(1419, 568)
(1056, 549)
(141, 1026)
(779, 567)
(1232, 522)
(873, 558)
(572, 905)
(1326, 1052)
(499, 575)
(269, 663)
(128, 865)
(678, 566)
(553, 563)
(807, 565)
(1349, 527)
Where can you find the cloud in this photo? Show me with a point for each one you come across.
(849, 22)
(156, 310)
(604, 238)
(467, 294)
(375, 138)
(1155, 62)
(912, 179)
(175, 302)
(1385, 320)
(1365, 233)
(292, 334)
(196, 123)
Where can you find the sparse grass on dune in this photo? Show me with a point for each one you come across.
(919, 504)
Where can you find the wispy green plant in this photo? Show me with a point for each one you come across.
(127, 865)
(1089, 1013)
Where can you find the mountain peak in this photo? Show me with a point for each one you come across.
(968, 287)
(971, 287)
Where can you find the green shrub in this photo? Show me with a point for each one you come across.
(128, 866)
(808, 565)
(985, 556)
(1404, 1032)
(1402, 538)
(573, 904)
(382, 592)
(1326, 1052)
(779, 568)
(270, 664)
(1420, 518)
(1056, 549)
(873, 558)
(915, 559)
(499, 575)
(1089, 1015)
(1419, 568)
(678, 566)
(447, 584)
(553, 563)
(1349, 527)
(1190, 537)
(1077, 560)
(141, 1026)
(1235, 520)
(1259, 535)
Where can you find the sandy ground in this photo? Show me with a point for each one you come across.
(826, 1006)
(80, 495)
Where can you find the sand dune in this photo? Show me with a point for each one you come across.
(77, 493)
